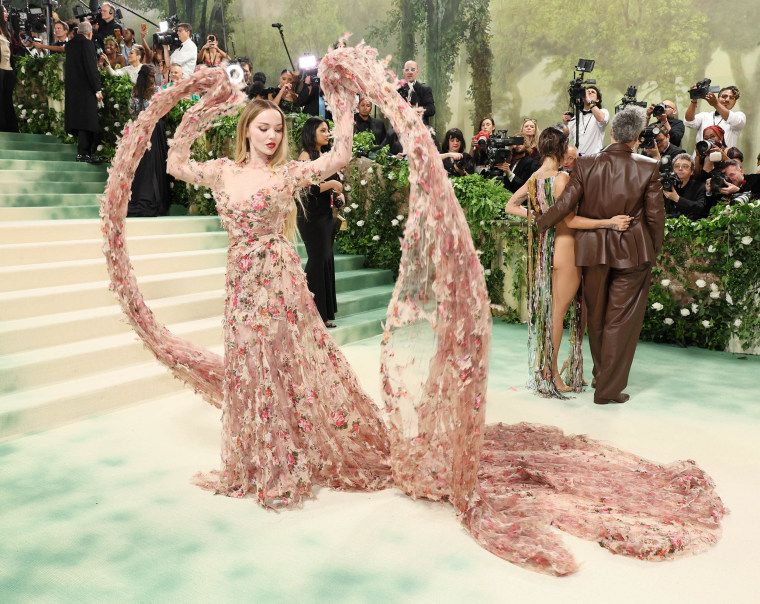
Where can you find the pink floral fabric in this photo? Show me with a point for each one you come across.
(293, 413)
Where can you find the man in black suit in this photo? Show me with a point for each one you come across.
(82, 87)
(416, 93)
(519, 169)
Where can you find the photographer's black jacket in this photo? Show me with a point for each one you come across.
(691, 201)
(750, 185)
(372, 124)
(523, 169)
(422, 96)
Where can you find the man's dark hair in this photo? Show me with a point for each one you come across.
(598, 95)
(733, 89)
(259, 76)
(735, 153)
(552, 143)
(130, 30)
(454, 133)
(186, 26)
(309, 136)
(65, 27)
(730, 162)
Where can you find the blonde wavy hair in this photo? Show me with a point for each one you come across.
(280, 156)
(531, 142)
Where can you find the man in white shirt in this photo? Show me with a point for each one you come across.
(732, 122)
(187, 54)
(592, 122)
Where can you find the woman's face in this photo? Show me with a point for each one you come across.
(712, 137)
(455, 145)
(365, 106)
(284, 79)
(529, 128)
(322, 135)
(683, 170)
(487, 126)
(133, 57)
(110, 47)
(265, 132)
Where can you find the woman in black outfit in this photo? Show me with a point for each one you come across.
(453, 143)
(315, 222)
(8, 121)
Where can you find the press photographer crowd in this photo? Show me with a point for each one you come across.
(95, 41)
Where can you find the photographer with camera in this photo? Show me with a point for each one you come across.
(364, 122)
(309, 93)
(105, 25)
(211, 55)
(519, 168)
(665, 114)
(187, 54)
(724, 116)
(456, 161)
(656, 144)
(684, 195)
(709, 152)
(730, 185)
(480, 141)
(593, 121)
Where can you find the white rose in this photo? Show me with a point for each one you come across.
(99, 148)
(665, 282)
(105, 128)
(711, 248)
(207, 195)
(195, 187)
(738, 323)
(487, 271)
(360, 223)
(39, 73)
(354, 205)
(34, 111)
(746, 240)
(715, 294)
(34, 96)
(377, 211)
(668, 321)
(48, 134)
(700, 283)
(694, 307)
(23, 70)
(394, 222)
(346, 187)
(706, 324)
(362, 182)
(347, 209)
(685, 312)
(657, 306)
(117, 124)
(392, 176)
(482, 223)
(729, 299)
(116, 105)
(369, 171)
(29, 121)
(400, 217)
(714, 286)
(211, 154)
(737, 263)
(376, 238)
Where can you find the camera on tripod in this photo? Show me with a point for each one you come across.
(25, 23)
(702, 89)
(629, 98)
(82, 13)
(167, 34)
(577, 91)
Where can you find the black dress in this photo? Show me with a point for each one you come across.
(317, 228)
(150, 186)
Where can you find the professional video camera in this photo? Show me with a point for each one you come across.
(497, 147)
(668, 178)
(629, 98)
(577, 90)
(307, 65)
(167, 33)
(702, 89)
(23, 22)
(647, 136)
(93, 16)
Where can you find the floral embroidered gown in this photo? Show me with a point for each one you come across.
(293, 412)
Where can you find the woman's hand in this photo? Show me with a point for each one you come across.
(336, 185)
(621, 222)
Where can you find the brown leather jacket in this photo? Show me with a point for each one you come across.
(615, 181)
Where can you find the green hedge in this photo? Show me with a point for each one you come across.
(706, 285)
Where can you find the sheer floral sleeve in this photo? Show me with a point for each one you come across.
(221, 101)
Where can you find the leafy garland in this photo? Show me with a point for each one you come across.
(705, 288)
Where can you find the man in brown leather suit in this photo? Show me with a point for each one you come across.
(616, 265)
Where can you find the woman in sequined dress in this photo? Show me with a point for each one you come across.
(555, 279)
